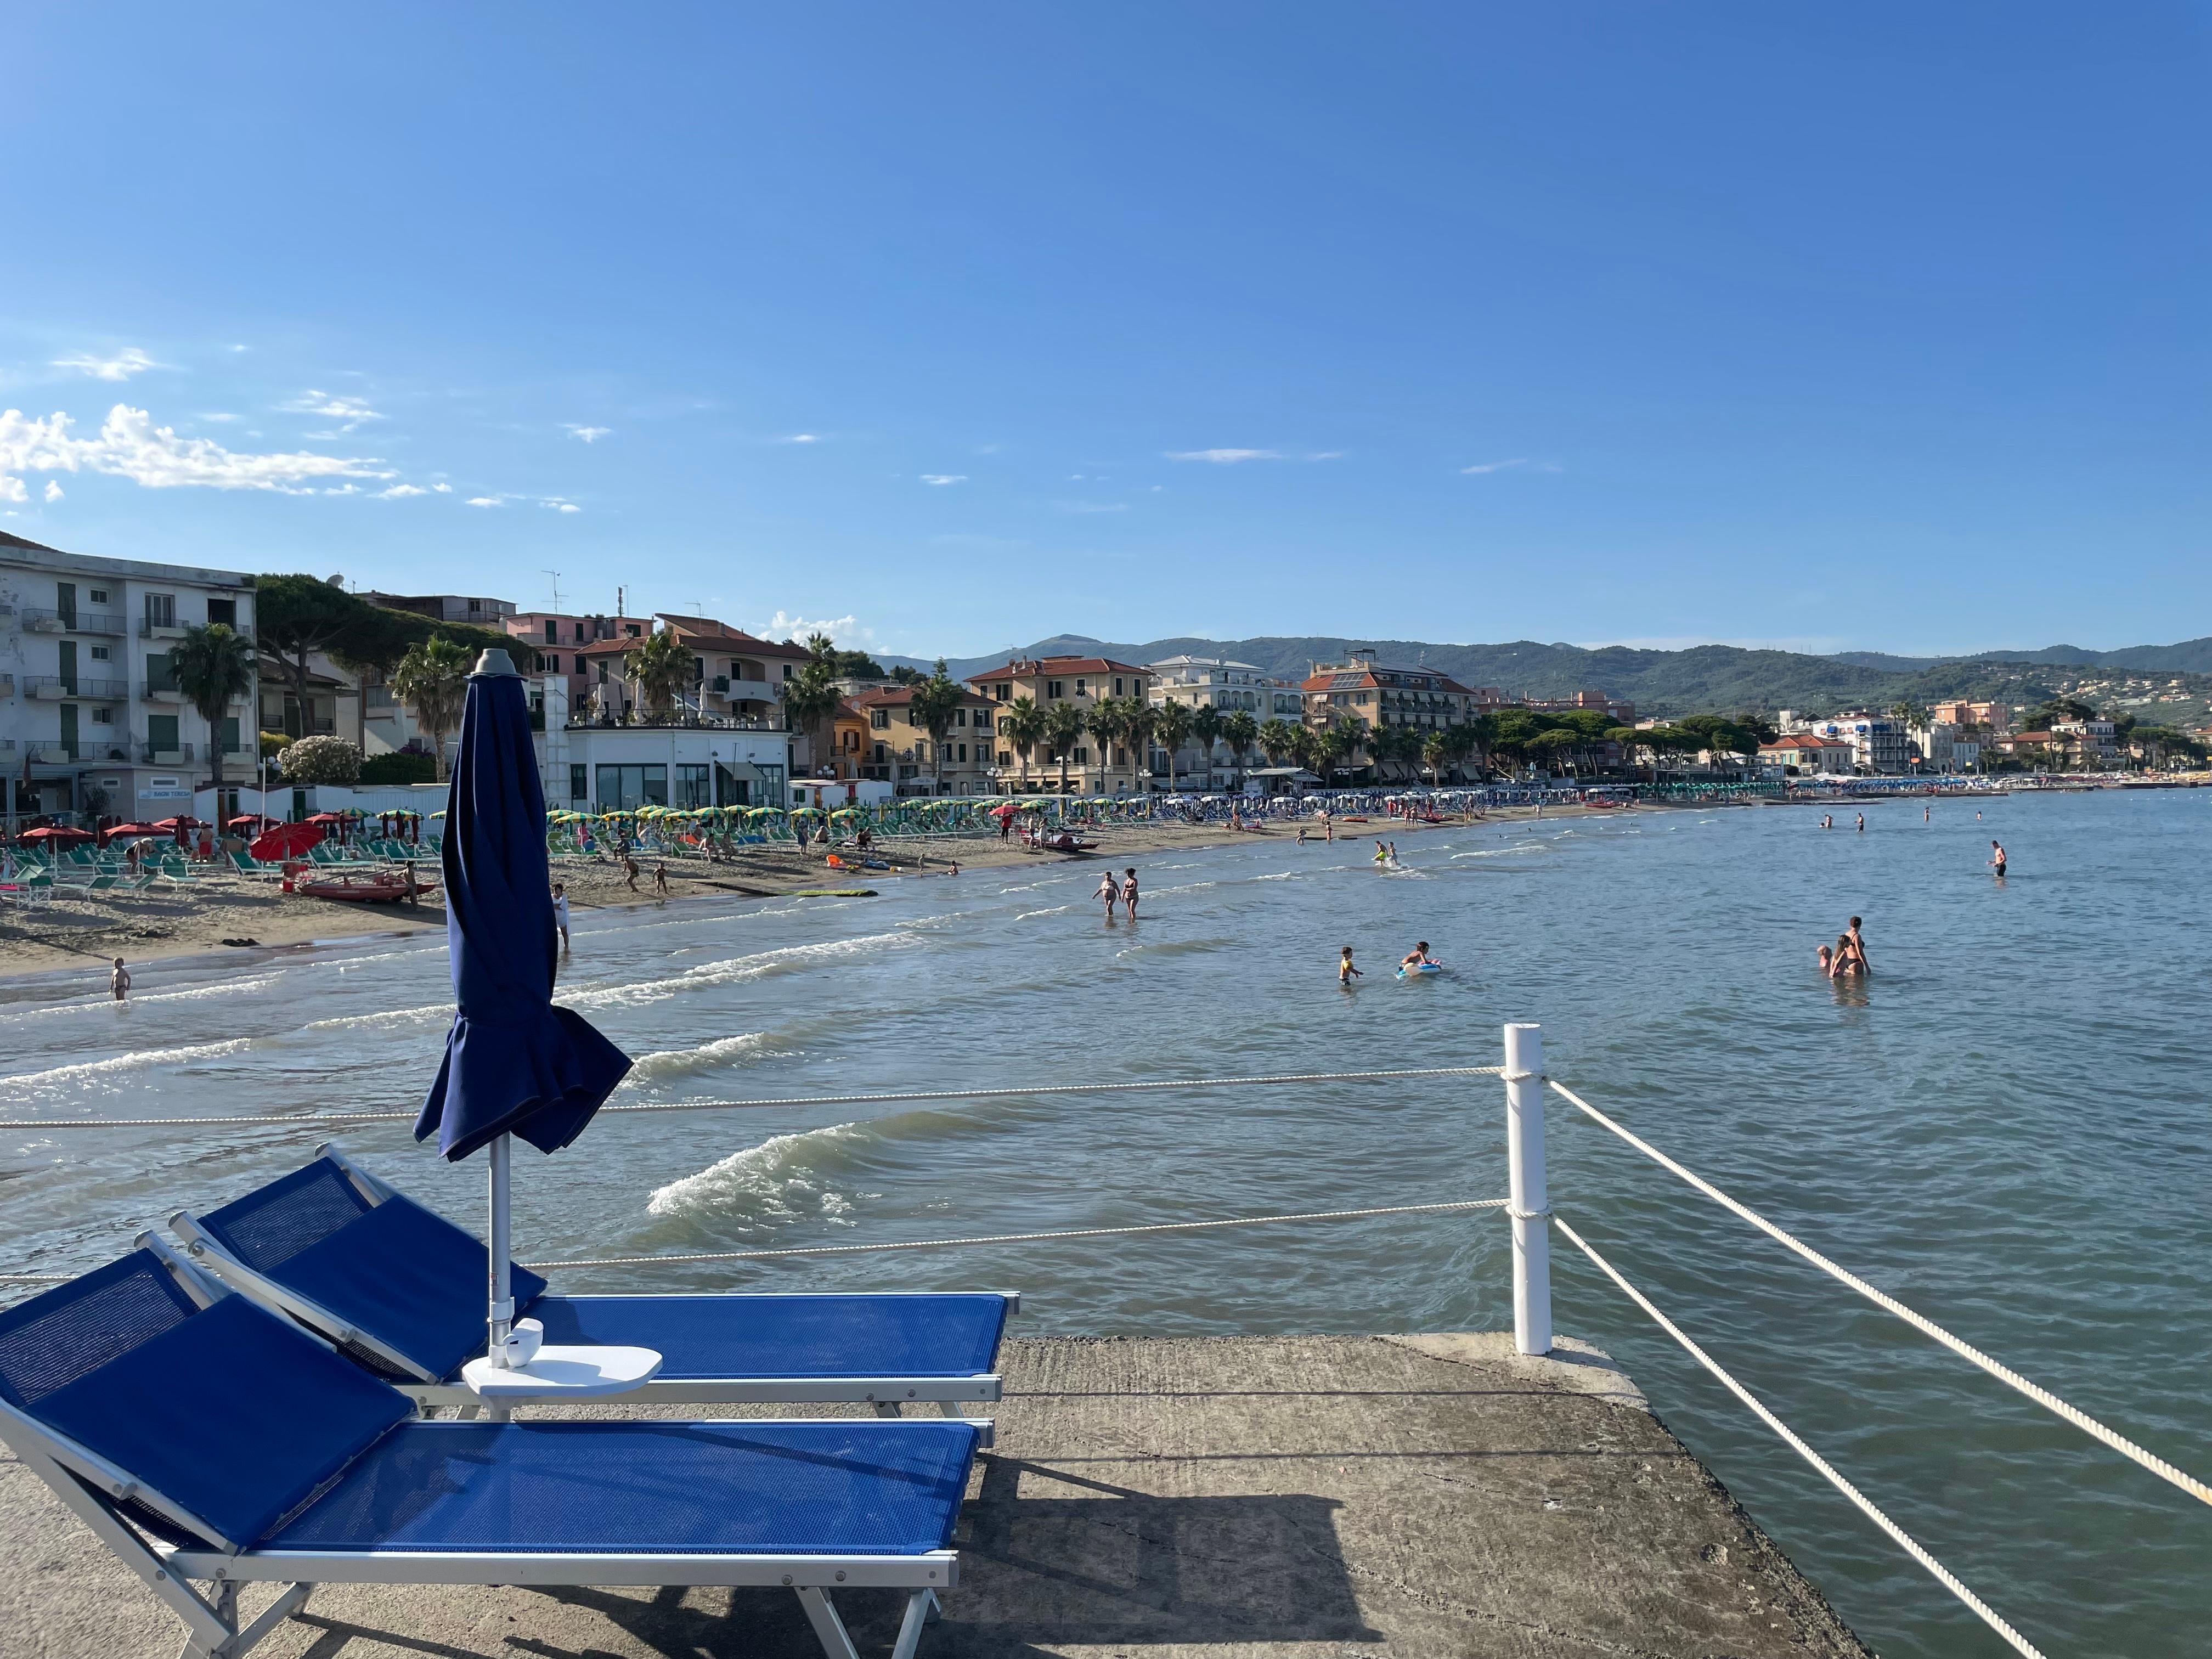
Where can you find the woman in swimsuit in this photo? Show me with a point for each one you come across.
(1129, 894)
(1108, 890)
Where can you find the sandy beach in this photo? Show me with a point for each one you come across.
(90, 931)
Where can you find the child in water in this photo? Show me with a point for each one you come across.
(1345, 973)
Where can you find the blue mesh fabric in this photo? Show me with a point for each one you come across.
(783, 1336)
(273, 1224)
(50, 1341)
(188, 1413)
(836, 1486)
(408, 1277)
(405, 1274)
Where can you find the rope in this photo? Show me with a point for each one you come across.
(1022, 1238)
(947, 1243)
(1904, 1539)
(317, 1119)
(2042, 1397)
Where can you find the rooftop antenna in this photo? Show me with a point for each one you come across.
(618, 603)
(555, 575)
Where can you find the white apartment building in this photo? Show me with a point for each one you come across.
(91, 721)
(1232, 688)
(595, 768)
(1880, 744)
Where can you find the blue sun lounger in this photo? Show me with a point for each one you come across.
(203, 1438)
(401, 1290)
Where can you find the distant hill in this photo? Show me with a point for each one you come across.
(1714, 677)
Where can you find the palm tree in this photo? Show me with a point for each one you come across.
(1171, 725)
(1206, 723)
(1278, 741)
(1436, 750)
(1024, 725)
(934, 703)
(212, 665)
(1063, 724)
(1240, 732)
(660, 666)
(432, 679)
(812, 701)
(1309, 748)
(1144, 721)
(1109, 721)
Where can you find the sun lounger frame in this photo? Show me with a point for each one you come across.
(94, 1489)
(887, 1395)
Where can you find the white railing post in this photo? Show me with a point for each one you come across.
(1530, 1203)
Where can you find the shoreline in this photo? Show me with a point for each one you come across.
(84, 935)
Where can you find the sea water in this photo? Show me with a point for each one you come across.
(2006, 1126)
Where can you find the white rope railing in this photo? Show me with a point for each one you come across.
(2042, 1397)
(1904, 1539)
(951, 1243)
(323, 1120)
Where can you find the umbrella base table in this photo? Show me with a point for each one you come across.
(564, 1373)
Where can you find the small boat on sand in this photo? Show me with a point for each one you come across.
(374, 889)
(1064, 842)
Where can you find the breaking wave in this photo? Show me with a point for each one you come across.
(141, 1060)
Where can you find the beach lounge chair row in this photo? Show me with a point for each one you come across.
(248, 1408)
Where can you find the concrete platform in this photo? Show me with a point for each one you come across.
(1243, 1497)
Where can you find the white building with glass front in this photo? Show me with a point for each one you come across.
(1230, 687)
(691, 762)
(92, 723)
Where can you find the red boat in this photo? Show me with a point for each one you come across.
(1063, 843)
(377, 890)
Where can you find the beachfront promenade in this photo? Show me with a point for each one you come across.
(1234, 1497)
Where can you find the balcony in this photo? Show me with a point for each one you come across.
(150, 630)
(39, 621)
(161, 691)
(52, 688)
(177, 754)
(50, 751)
(742, 691)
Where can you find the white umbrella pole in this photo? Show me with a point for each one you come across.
(502, 1288)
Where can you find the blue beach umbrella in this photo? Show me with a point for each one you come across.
(515, 1065)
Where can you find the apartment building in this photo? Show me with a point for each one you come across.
(592, 767)
(1230, 687)
(1880, 746)
(905, 755)
(1807, 756)
(1093, 768)
(1367, 690)
(91, 718)
(559, 638)
(1995, 716)
(738, 678)
(1618, 710)
(446, 607)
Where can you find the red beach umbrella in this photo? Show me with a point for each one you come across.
(113, 831)
(56, 834)
(286, 840)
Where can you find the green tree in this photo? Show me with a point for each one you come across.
(1436, 754)
(935, 702)
(811, 702)
(296, 616)
(1063, 724)
(1171, 725)
(326, 759)
(1144, 721)
(1240, 732)
(432, 679)
(1278, 741)
(1023, 725)
(213, 665)
(1206, 723)
(660, 665)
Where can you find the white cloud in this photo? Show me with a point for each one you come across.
(399, 491)
(565, 506)
(53, 489)
(214, 415)
(1518, 462)
(845, 630)
(11, 489)
(485, 500)
(801, 438)
(350, 411)
(940, 479)
(1223, 457)
(443, 489)
(121, 366)
(129, 446)
(1326, 455)
(590, 434)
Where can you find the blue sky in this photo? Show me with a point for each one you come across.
(1876, 326)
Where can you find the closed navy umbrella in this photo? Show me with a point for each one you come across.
(515, 1065)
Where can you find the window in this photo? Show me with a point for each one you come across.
(161, 733)
(1117, 685)
(1001, 692)
(962, 754)
(693, 786)
(161, 610)
(880, 719)
(879, 755)
(625, 789)
(103, 717)
(1051, 689)
(787, 670)
(1083, 757)
(227, 734)
(633, 631)
(101, 653)
(579, 640)
(224, 612)
(1079, 688)
(100, 596)
(579, 781)
(1005, 757)
(476, 607)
